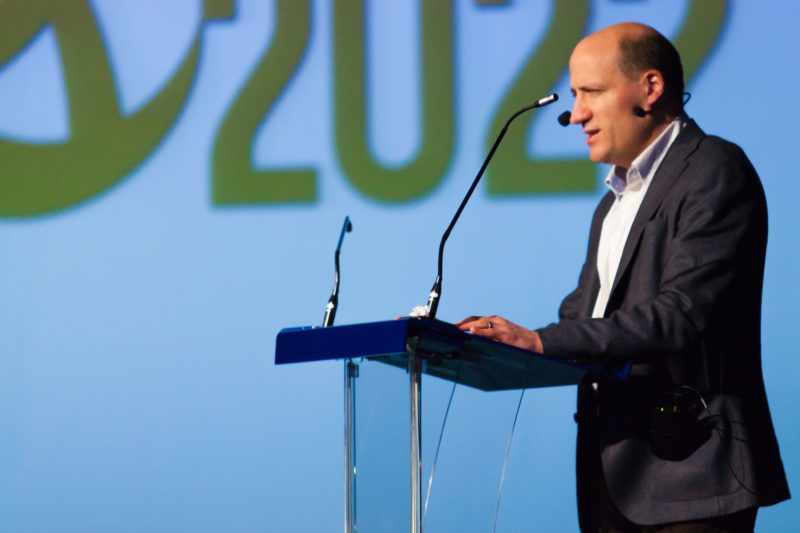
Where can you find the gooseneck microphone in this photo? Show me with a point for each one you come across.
(436, 290)
(333, 301)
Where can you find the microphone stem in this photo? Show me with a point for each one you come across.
(333, 301)
(436, 291)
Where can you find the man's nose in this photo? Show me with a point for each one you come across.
(580, 113)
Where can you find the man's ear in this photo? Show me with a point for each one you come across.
(653, 86)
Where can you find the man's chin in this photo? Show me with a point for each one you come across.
(598, 157)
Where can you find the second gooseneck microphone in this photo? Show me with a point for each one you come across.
(333, 301)
(436, 290)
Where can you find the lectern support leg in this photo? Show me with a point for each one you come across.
(415, 462)
(350, 375)
(415, 374)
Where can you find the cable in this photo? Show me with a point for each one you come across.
(722, 432)
(439, 446)
(508, 447)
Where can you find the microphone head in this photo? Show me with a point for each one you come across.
(639, 112)
(564, 118)
(348, 226)
(547, 100)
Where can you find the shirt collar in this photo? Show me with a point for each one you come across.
(645, 165)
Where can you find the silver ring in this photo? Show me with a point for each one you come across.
(490, 326)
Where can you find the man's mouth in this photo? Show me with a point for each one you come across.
(590, 135)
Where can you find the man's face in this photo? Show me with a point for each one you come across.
(604, 103)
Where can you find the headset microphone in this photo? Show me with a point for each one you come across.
(566, 116)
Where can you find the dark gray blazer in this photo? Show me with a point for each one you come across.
(685, 308)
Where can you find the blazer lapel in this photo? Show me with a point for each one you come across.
(672, 166)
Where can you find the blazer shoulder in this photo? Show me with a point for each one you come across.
(695, 145)
(719, 150)
(715, 159)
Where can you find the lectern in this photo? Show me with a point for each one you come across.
(423, 346)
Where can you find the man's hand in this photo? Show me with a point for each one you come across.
(499, 329)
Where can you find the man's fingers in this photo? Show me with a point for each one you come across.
(478, 324)
(485, 331)
(467, 322)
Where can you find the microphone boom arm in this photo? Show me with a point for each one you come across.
(436, 290)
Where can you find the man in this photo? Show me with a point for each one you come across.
(672, 283)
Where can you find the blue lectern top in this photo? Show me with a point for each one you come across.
(447, 353)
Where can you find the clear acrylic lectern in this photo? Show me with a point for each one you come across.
(375, 355)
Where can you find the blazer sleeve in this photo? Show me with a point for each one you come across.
(717, 217)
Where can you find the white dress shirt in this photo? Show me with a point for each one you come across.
(629, 188)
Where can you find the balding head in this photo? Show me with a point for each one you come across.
(640, 48)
